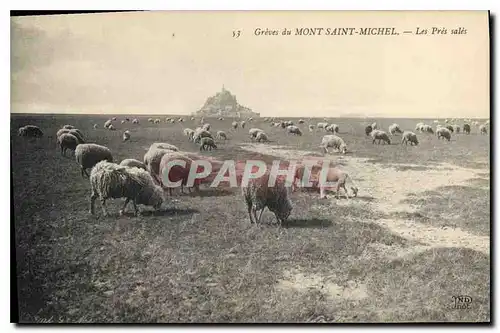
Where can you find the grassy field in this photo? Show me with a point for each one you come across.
(417, 234)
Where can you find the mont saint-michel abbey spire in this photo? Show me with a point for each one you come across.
(225, 104)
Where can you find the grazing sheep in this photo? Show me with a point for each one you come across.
(419, 126)
(123, 121)
(380, 136)
(333, 141)
(150, 120)
(409, 137)
(250, 119)
(61, 132)
(108, 123)
(30, 131)
(301, 121)
(133, 163)
(253, 132)
(291, 129)
(242, 124)
(334, 128)
(258, 195)
(157, 121)
(221, 135)
(311, 128)
(127, 119)
(333, 175)
(126, 136)
(135, 121)
(89, 154)
(374, 126)
(192, 118)
(234, 124)
(96, 126)
(466, 128)
(221, 118)
(189, 133)
(67, 141)
(207, 144)
(198, 135)
(180, 120)
(368, 129)
(443, 132)
(176, 172)
(153, 157)
(114, 118)
(112, 181)
(394, 128)
(321, 125)
(483, 129)
(456, 128)
(111, 128)
(76, 132)
(261, 137)
(427, 129)
(449, 127)
(206, 127)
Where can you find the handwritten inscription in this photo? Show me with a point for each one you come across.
(353, 31)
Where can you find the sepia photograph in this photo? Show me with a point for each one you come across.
(250, 167)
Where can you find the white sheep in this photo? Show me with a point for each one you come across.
(96, 126)
(261, 137)
(234, 124)
(321, 125)
(157, 121)
(126, 136)
(443, 132)
(135, 121)
(112, 181)
(201, 134)
(334, 128)
(333, 141)
(409, 137)
(419, 126)
(89, 154)
(291, 129)
(374, 126)
(483, 129)
(133, 163)
(394, 128)
(242, 124)
(67, 141)
(150, 120)
(207, 143)
(206, 127)
(311, 128)
(253, 132)
(380, 136)
(107, 124)
(189, 133)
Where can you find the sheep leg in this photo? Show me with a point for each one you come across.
(103, 204)
(322, 194)
(345, 190)
(93, 196)
(260, 215)
(124, 205)
(136, 210)
(249, 208)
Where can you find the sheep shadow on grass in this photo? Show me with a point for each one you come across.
(170, 211)
(307, 223)
(211, 192)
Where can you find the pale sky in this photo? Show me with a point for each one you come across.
(170, 62)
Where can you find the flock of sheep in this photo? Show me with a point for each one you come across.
(144, 182)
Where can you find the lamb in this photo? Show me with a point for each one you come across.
(126, 136)
(394, 128)
(110, 180)
(221, 135)
(334, 142)
(89, 154)
(334, 128)
(206, 127)
(207, 143)
(311, 128)
(258, 195)
(380, 136)
(133, 163)
(368, 129)
(409, 137)
(443, 132)
(234, 124)
(466, 128)
(108, 123)
(483, 129)
(198, 135)
(67, 141)
(294, 130)
(333, 175)
(261, 136)
(30, 131)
